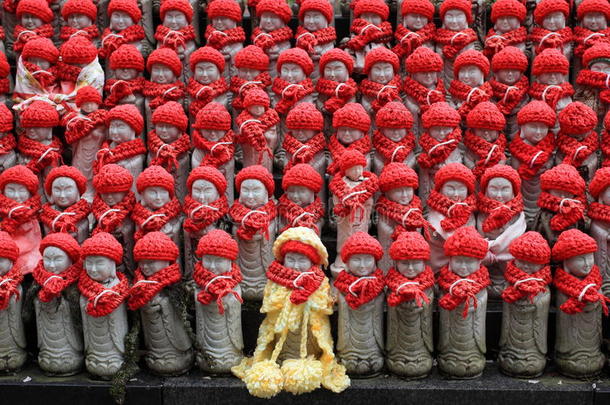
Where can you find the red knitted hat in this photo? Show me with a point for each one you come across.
(410, 246)
(217, 243)
(127, 6)
(184, 6)
(20, 175)
(593, 6)
(466, 241)
(208, 173)
(78, 50)
(127, 113)
(462, 5)
(277, 7)
(102, 244)
(8, 247)
(86, 7)
(600, 182)
(380, 54)
(372, 6)
(352, 115)
(213, 116)
(127, 56)
(65, 171)
(457, 172)
(440, 115)
(39, 114)
(550, 60)
(396, 175)
(536, 111)
(546, 7)
(5, 68)
(297, 246)
(361, 243)
(63, 241)
(156, 176)
(224, 8)
(351, 158)
(471, 57)
(171, 113)
(421, 7)
(336, 54)
(112, 178)
(207, 54)
(38, 8)
(155, 246)
(531, 247)
(508, 8)
(394, 115)
(322, 6)
(577, 118)
(87, 94)
(564, 178)
(601, 50)
(304, 116)
(486, 115)
(167, 57)
(6, 119)
(256, 172)
(302, 175)
(573, 243)
(252, 57)
(256, 96)
(297, 56)
(509, 58)
(504, 171)
(40, 47)
(423, 59)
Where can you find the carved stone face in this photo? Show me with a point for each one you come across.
(471, 75)
(506, 24)
(125, 74)
(595, 21)
(39, 134)
(455, 20)
(64, 192)
(534, 132)
(113, 198)
(257, 110)
(410, 268)
(5, 265)
(579, 266)
(508, 76)
(561, 194)
(253, 193)
(119, 132)
(89, 106)
(167, 132)
(100, 269)
(120, 20)
(551, 78)
(455, 190)
(79, 21)
(440, 133)
(212, 135)
(528, 267)
(354, 173)
(414, 21)
(297, 261)
(216, 264)
(292, 73)
(204, 192)
(464, 266)
(161, 74)
(426, 79)
(490, 135)
(155, 197)
(247, 73)
(41, 63)
(270, 22)
(206, 72)
(394, 134)
(30, 21)
(151, 267)
(55, 260)
(16, 192)
(500, 189)
(314, 20)
(303, 135)
(336, 71)
(348, 135)
(361, 265)
(381, 72)
(300, 195)
(400, 195)
(175, 20)
(372, 18)
(223, 23)
(604, 197)
(600, 66)
(554, 21)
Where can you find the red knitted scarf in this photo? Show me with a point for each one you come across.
(498, 213)
(407, 41)
(160, 94)
(462, 289)
(217, 153)
(290, 94)
(403, 289)
(580, 292)
(266, 40)
(14, 214)
(393, 151)
(605, 147)
(295, 215)
(203, 94)
(116, 90)
(41, 155)
(599, 212)
(336, 149)
(109, 219)
(66, 72)
(575, 151)
(302, 284)
(584, 38)
(567, 211)
(9, 286)
(46, 78)
(4, 85)
(199, 216)
(126, 150)
(239, 87)
(102, 301)
(495, 42)
(435, 152)
(252, 130)
(249, 222)
(79, 126)
(456, 213)
(489, 153)
(7, 144)
(409, 218)
(307, 40)
(358, 291)
(524, 285)
(595, 80)
(214, 287)
(168, 38)
(167, 154)
(550, 94)
(219, 39)
(338, 93)
(302, 152)
(91, 32)
(381, 94)
(152, 221)
(424, 96)
(111, 41)
(364, 33)
(470, 96)
(544, 39)
(146, 288)
(453, 42)
(508, 97)
(532, 157)
(23, 35)
(66, 220)
(51, 284)
(352, 199)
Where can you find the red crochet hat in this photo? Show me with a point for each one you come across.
(361, 243)
(252, 57)
(462, 5)
(550, 60)
(63, 241)
(573, 243)
(297, 56)
(508, 8)
(466, 241)
(178, 5)
(352, 115)
(456, 172)
(564, 178)
(156, 176)
(297, 246)
(65, 171)
(5, 68)
(127, 56)
(394, 115)
(486, 115)
(39, 114)
(322, 6)
(536, 111)
(155, 246)
(38, 8)
(304, 116)
(256, 96)
(380, 54)
(509, 58)
(127, 6)
(372, 6)
(336, 54)
(256, 172)
(410, 246)
(440, 115)
(546, 7)
(78, 50)
(207, 54)
(600, 182)
(601, 50)
(593, 6)
(167, 57)
(302, 175)
(224, 8)
(112, 178)
(87, 94)
(127, 113)
(171, 113)
(421, 7)
(40, 47)
(213, 116)
(217, 243)
(6, 119)
(396, 175)
(423, 59)
(531, 247)
(471, 57)
(102, 244)
(277, 7)
(8, 247)
(20, 175)
(86, 7)
(208, 173)
(504, 171)
(351, 158)
(577, 118)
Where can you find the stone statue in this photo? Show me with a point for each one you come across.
(551, 31)
(206, 84)
(125, 81)
(293, 83)
(591, 30)
(351, 124)
(252, 71)
(33, 19)
(393, 139)
(382, 84)
(591, 76)
(224, 33)
(484, 139)
(79, 18)
(469, 87)
(507, 17)
(176, 30)
(316, 33)
(415, 27)
(600, 223)
(300, 205)
(335, 87)
(8, 143)
(272, 34)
